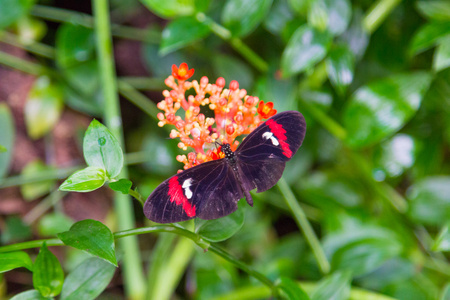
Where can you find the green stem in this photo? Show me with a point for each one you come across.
(328, 123)
(144, 83)
(138, 99)
(304, 225)
(236, 43)
(379, 11)
(158, 262)
(35, 48)
(63, 15)
(225, 255)
(137, 196)
(21, 64)
(130, 158)
(205, 245)
(262, 292)
(132, 263)
(169, 277)
(44, 205)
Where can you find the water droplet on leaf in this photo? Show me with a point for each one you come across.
(101, 141)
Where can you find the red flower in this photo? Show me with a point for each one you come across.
(266, 110)
(217, 153)
(183, 72)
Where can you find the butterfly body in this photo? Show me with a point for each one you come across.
(211, 190)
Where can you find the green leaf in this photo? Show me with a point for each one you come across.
(290, 289)
(429, 200)
(53, 223)
(339, 14)
(31, 191)
(43, 107)
(75, 44)
(3, 149)
(394, 156)
(365, 255)
(340, 68)
(170, 8)
(317, 15)
(441, 59)
(381, 108)
(13, 260)
(93, 237)
(16, 230)
(221, 229)
(442, 243)
(428, 35)
(182, 32)
(101, 149)
(333, 287)
(435, 10)
(122, 185)
(306, 47)
(12, 10)
(48, 276)
(30, 295)
(6, 138)
(445, 294)
(88, 280)
(242, 17)
(86, 180)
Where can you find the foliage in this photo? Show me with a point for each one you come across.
(362, 211)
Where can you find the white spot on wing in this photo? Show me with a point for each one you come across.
(187, 191)
(269, 135)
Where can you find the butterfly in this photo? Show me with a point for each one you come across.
(212, 189)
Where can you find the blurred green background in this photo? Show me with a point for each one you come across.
(372, 79)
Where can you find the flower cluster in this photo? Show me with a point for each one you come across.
(235, 114)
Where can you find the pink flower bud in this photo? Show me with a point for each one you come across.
(220, 82)
(234, 85)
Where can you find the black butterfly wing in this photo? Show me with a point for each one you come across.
(262, 156)
(208, 191)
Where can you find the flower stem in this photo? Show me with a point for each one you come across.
(138, 99)
(235, 42)
(155, 229)
(304, 225)
(68, 16)
(132, 263)
(379, 11)
(36, 48)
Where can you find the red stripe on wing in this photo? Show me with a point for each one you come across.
(279, 133)
(176, 194)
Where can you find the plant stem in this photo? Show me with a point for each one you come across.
(158, 262)
(21, 64)
(44, 205)
(169, 276)
(236, 43)
(36, 48)
(155, 229)
(144, 83)
(132, 263)
(67, 16)
(376, 15)
(304, 225)
(130, 158)
(328, 123)
(138, 99)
